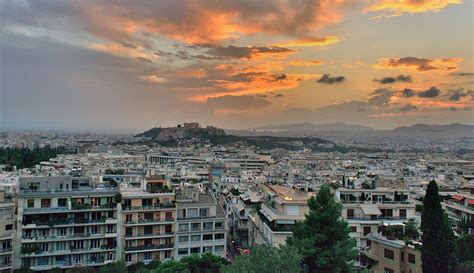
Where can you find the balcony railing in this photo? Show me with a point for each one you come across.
(149, 221)
(128, 236)
(148, 247)
(155, 207)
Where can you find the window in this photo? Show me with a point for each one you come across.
(387, 253)
(182, 251)
(183, 227)
(147, 256)
(128, 258)
(208, 225)
(182, 213)
(203, 212)
(353, 229)
(195, 238)
(207, 249)
(195, 226)
(411, 258)
(403, 214)
(219, 225)
(31, 203)
(62, 202)
(8, 227)
(388, 270)
(402, 256)
(195, 250)
(219, 236)
(183, 239)
(366, 230)
(128, 218)
(350, 213)
(207, 237)
(45, 203)
(219, 249)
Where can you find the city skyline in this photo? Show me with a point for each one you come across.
(123, 65)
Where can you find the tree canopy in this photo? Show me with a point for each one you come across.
(323, 237)
(438, 239)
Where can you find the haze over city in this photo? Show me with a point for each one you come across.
(133, 65)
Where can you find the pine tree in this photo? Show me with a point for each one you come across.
(438, 239)
(323, 237)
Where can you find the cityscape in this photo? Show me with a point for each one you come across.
(207, 136)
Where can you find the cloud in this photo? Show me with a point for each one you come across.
(432, 92)
(408, 107)
(145, 60)
(390, 80)
(397, 7)
(327, 79)
(418, 64)
(458, 94)
(408, 93)
(463, 74)
(207, 21)
(310, 41)
(237, 52)
(280, 77)
(237, 102)
(303, 62)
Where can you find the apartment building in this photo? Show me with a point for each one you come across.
(391, 255)
(7, 227)
(281, 208)
(461, 205)
(201, 225)
(65, 222)
(148, 217)
(365, 210)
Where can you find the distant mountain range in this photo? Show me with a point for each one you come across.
(307, 126)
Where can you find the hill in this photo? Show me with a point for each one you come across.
(307, 126)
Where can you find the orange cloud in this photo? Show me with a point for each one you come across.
(302, 62)
(310, 41)
(397, 7)
(138, 53)
(204, 22)
(419, 64)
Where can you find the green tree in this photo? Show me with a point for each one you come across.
(267, 259)
(172, 267)
(323, 237)
(438, 242)
(465, 249)
(206, 263)
(114, 267)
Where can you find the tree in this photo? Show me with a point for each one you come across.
(267, 259)
(438, 246)
(114, 267)
(206, 263)
(172, 267)
(465, 250)
(323, 237)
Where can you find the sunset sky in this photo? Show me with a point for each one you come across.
(131, 65)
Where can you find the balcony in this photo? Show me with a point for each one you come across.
(367, 252)
(68, 222)
(147, 235)
(74, 208)
(144, 222)
(155, 207)
(100, 191)
(148, 247)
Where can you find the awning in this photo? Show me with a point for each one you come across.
(288, 222)
(471, 202)
(371, 209)
(458, 197)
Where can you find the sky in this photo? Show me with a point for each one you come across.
(123, 65)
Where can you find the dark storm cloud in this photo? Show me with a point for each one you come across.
(408, 93)
(399, 78)
(327, 79)
(408, 107)
(432, 92)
